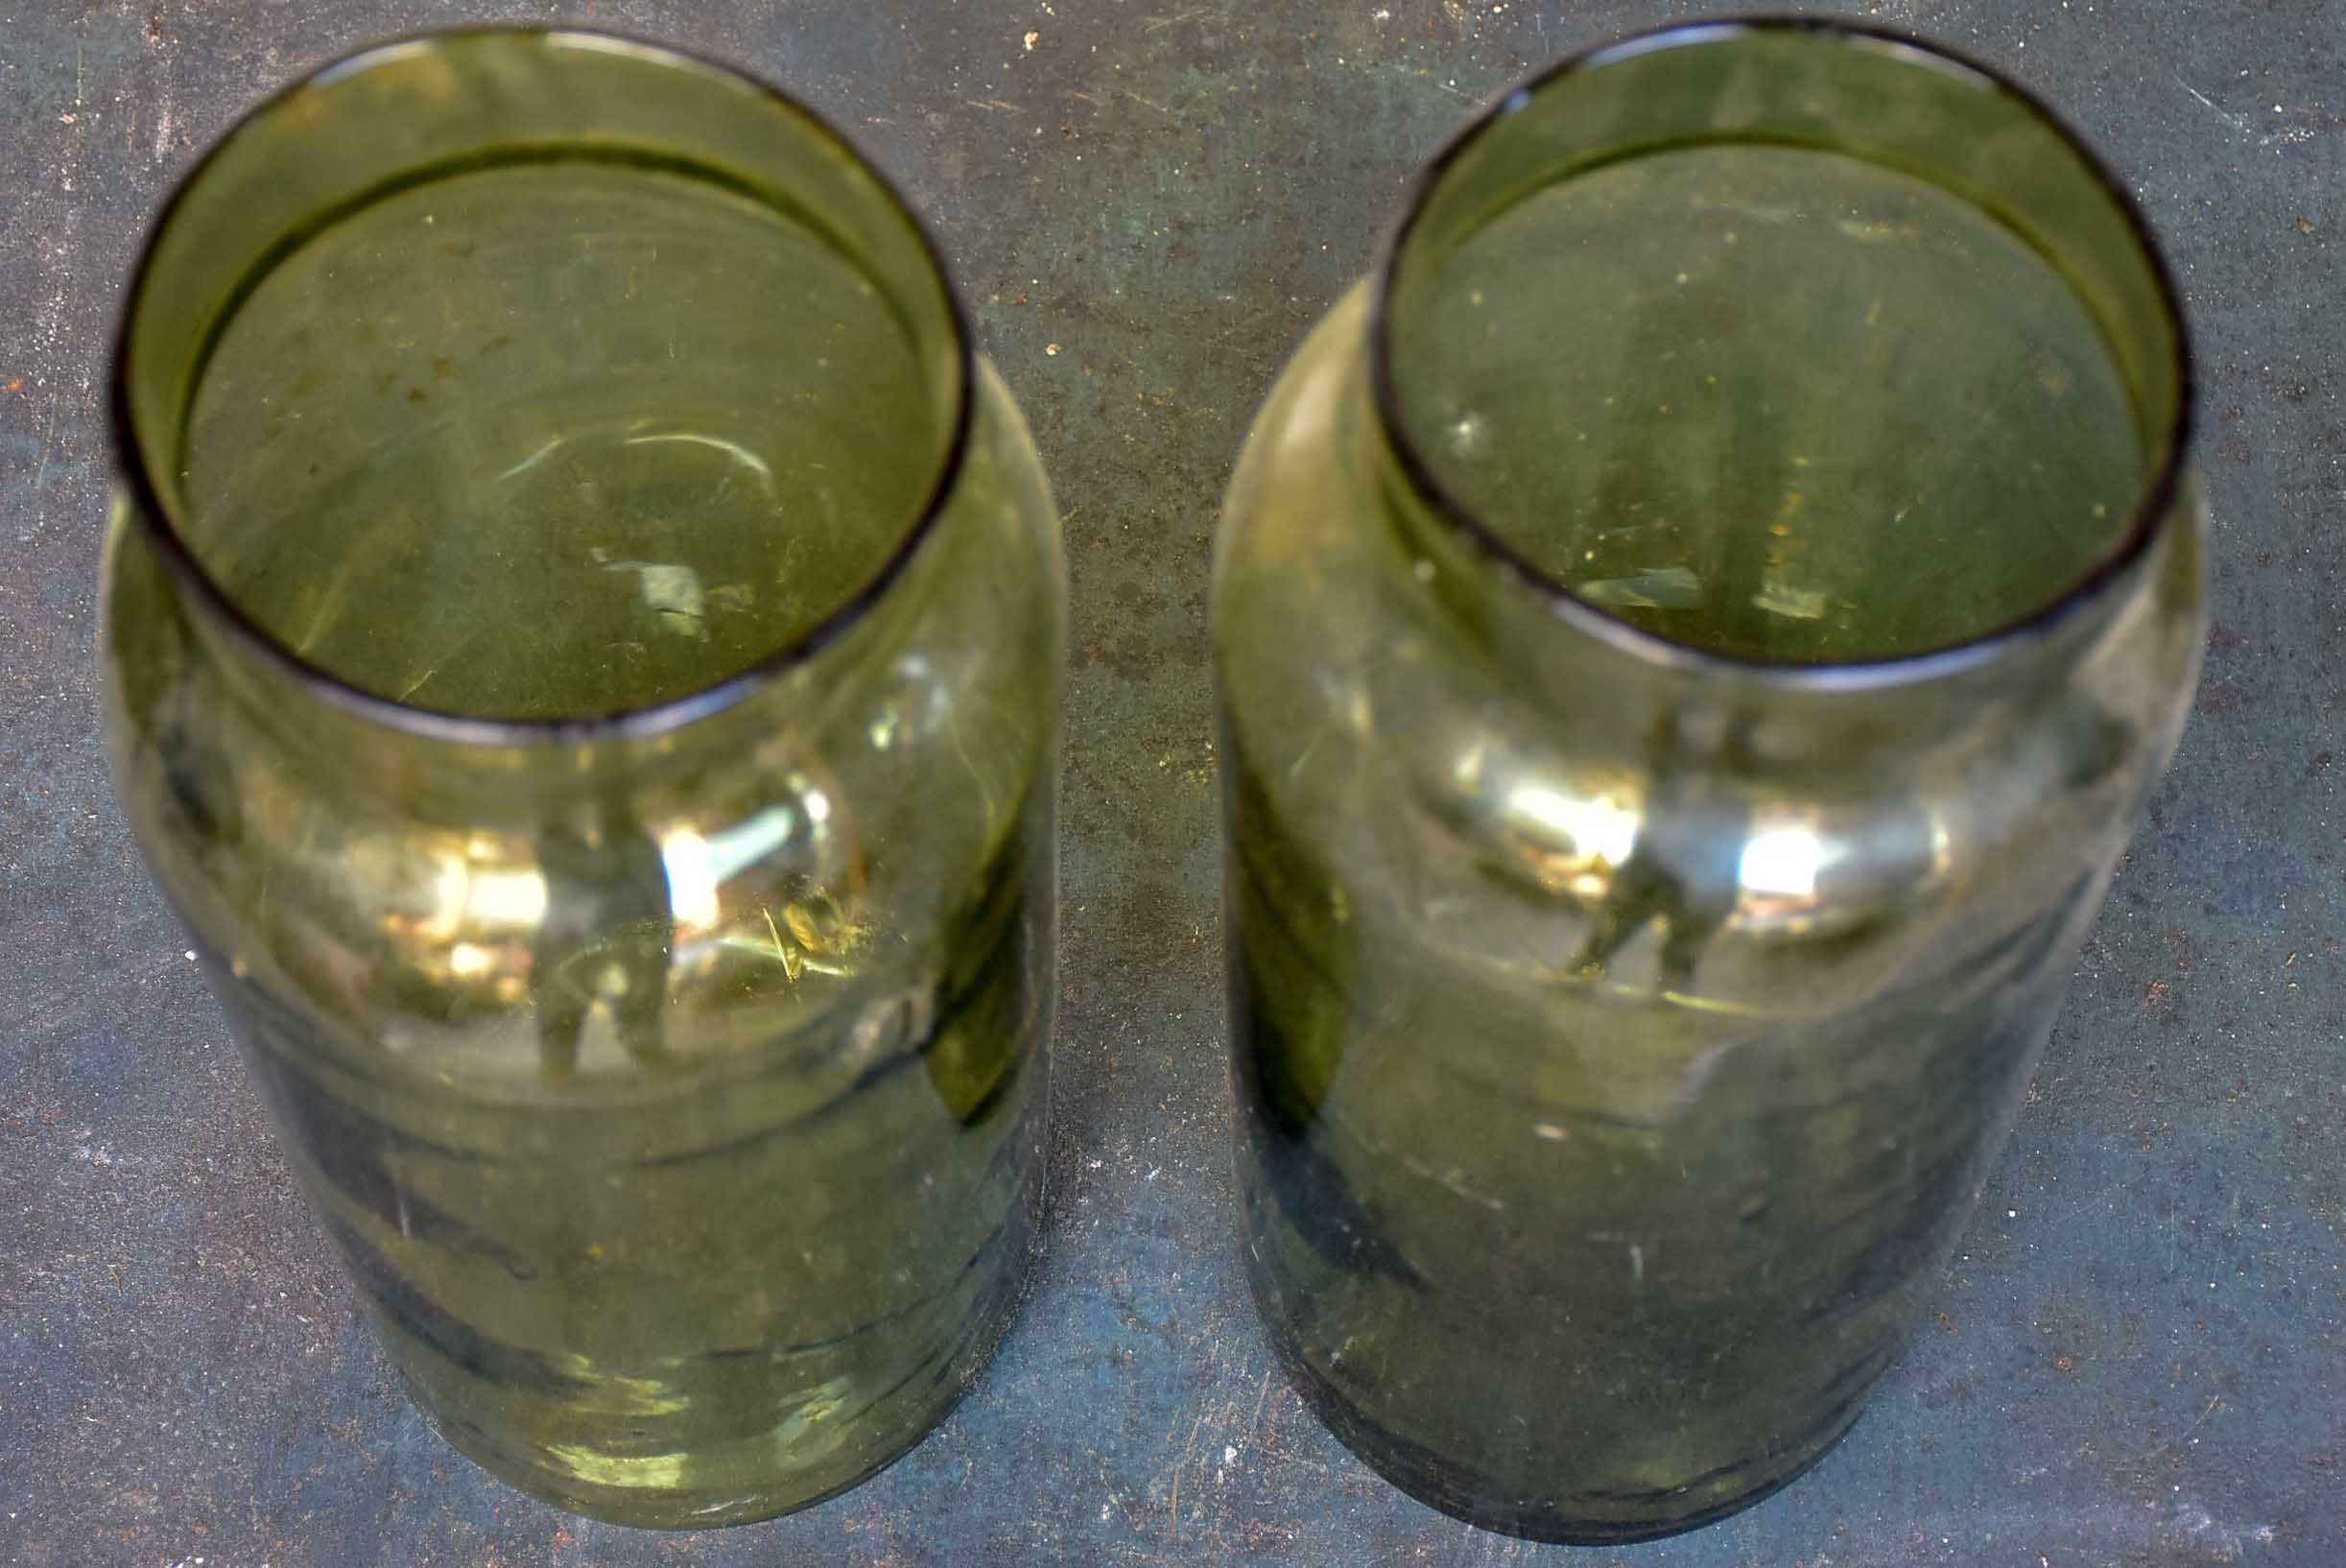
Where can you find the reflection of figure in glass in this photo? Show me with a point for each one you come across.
(606, 938)
(1684, 867)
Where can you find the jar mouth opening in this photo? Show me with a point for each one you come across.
(156, 503)
(2166, 446)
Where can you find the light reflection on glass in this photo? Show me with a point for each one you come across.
(446, 916)
(1599, 827)
(699, 866)
(692, 882)
(472, 905)
(1782, 862)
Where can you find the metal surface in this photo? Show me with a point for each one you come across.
(2139, 1357)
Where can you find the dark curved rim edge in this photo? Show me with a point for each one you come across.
(622, 724)
(2156, 498)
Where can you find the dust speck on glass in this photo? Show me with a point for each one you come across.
(581, 636)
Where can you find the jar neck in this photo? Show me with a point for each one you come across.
(1617, 690)
(590, 776)
(645, 142)
(1808, 88)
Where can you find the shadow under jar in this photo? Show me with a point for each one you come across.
(581, 636)
(1694, 635)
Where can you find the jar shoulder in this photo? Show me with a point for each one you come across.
(1553, 807)
(749, 876)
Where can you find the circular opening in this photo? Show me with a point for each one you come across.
(1783, 344)
(554, 383)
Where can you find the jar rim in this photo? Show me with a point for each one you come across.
(643, 721)
(2155, 499)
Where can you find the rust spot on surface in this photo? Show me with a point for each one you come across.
(1954, 1391)
(2220, 697)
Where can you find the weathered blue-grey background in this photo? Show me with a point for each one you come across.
(2140, 1357)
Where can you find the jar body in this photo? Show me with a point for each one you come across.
(758, 1215)
(1618, 1049)
(581, 638)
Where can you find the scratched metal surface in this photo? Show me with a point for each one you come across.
(2140, 1357)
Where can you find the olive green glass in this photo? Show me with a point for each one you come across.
(581, 636)
(1693, 635)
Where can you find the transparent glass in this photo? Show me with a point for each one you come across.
(581, 636)
(1693, 635)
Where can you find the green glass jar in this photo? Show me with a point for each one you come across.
(1693, 634)
(581, 635)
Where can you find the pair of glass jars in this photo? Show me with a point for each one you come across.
(1693, 634)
